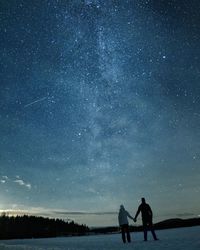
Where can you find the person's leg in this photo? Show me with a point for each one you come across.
(145, 230)
(128, 234)
(152, 230)
(123, 234)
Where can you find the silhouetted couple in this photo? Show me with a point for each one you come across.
(147, 221)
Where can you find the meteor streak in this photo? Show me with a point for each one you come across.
(32, 103)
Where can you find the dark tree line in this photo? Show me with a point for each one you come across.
(14, 227)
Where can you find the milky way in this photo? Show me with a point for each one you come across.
(100, 107)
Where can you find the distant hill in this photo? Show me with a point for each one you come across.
(166, 224)
(174, 223)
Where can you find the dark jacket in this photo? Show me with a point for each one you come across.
(146, 212)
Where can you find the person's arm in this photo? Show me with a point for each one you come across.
(150, 211)
(138, 211)
(129, 216)
(118, 220)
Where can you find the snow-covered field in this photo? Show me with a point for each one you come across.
(173, 239)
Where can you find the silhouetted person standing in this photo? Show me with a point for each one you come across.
(123, 222)
(147, 218)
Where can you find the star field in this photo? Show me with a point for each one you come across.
(99, 107)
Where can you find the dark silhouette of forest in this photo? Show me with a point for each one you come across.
(18, 227)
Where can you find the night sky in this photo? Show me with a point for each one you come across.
(100, 106)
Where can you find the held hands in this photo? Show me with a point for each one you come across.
(134, 219)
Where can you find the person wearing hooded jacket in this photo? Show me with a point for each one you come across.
(123, 223)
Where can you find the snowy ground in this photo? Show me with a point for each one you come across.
(173, 239)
